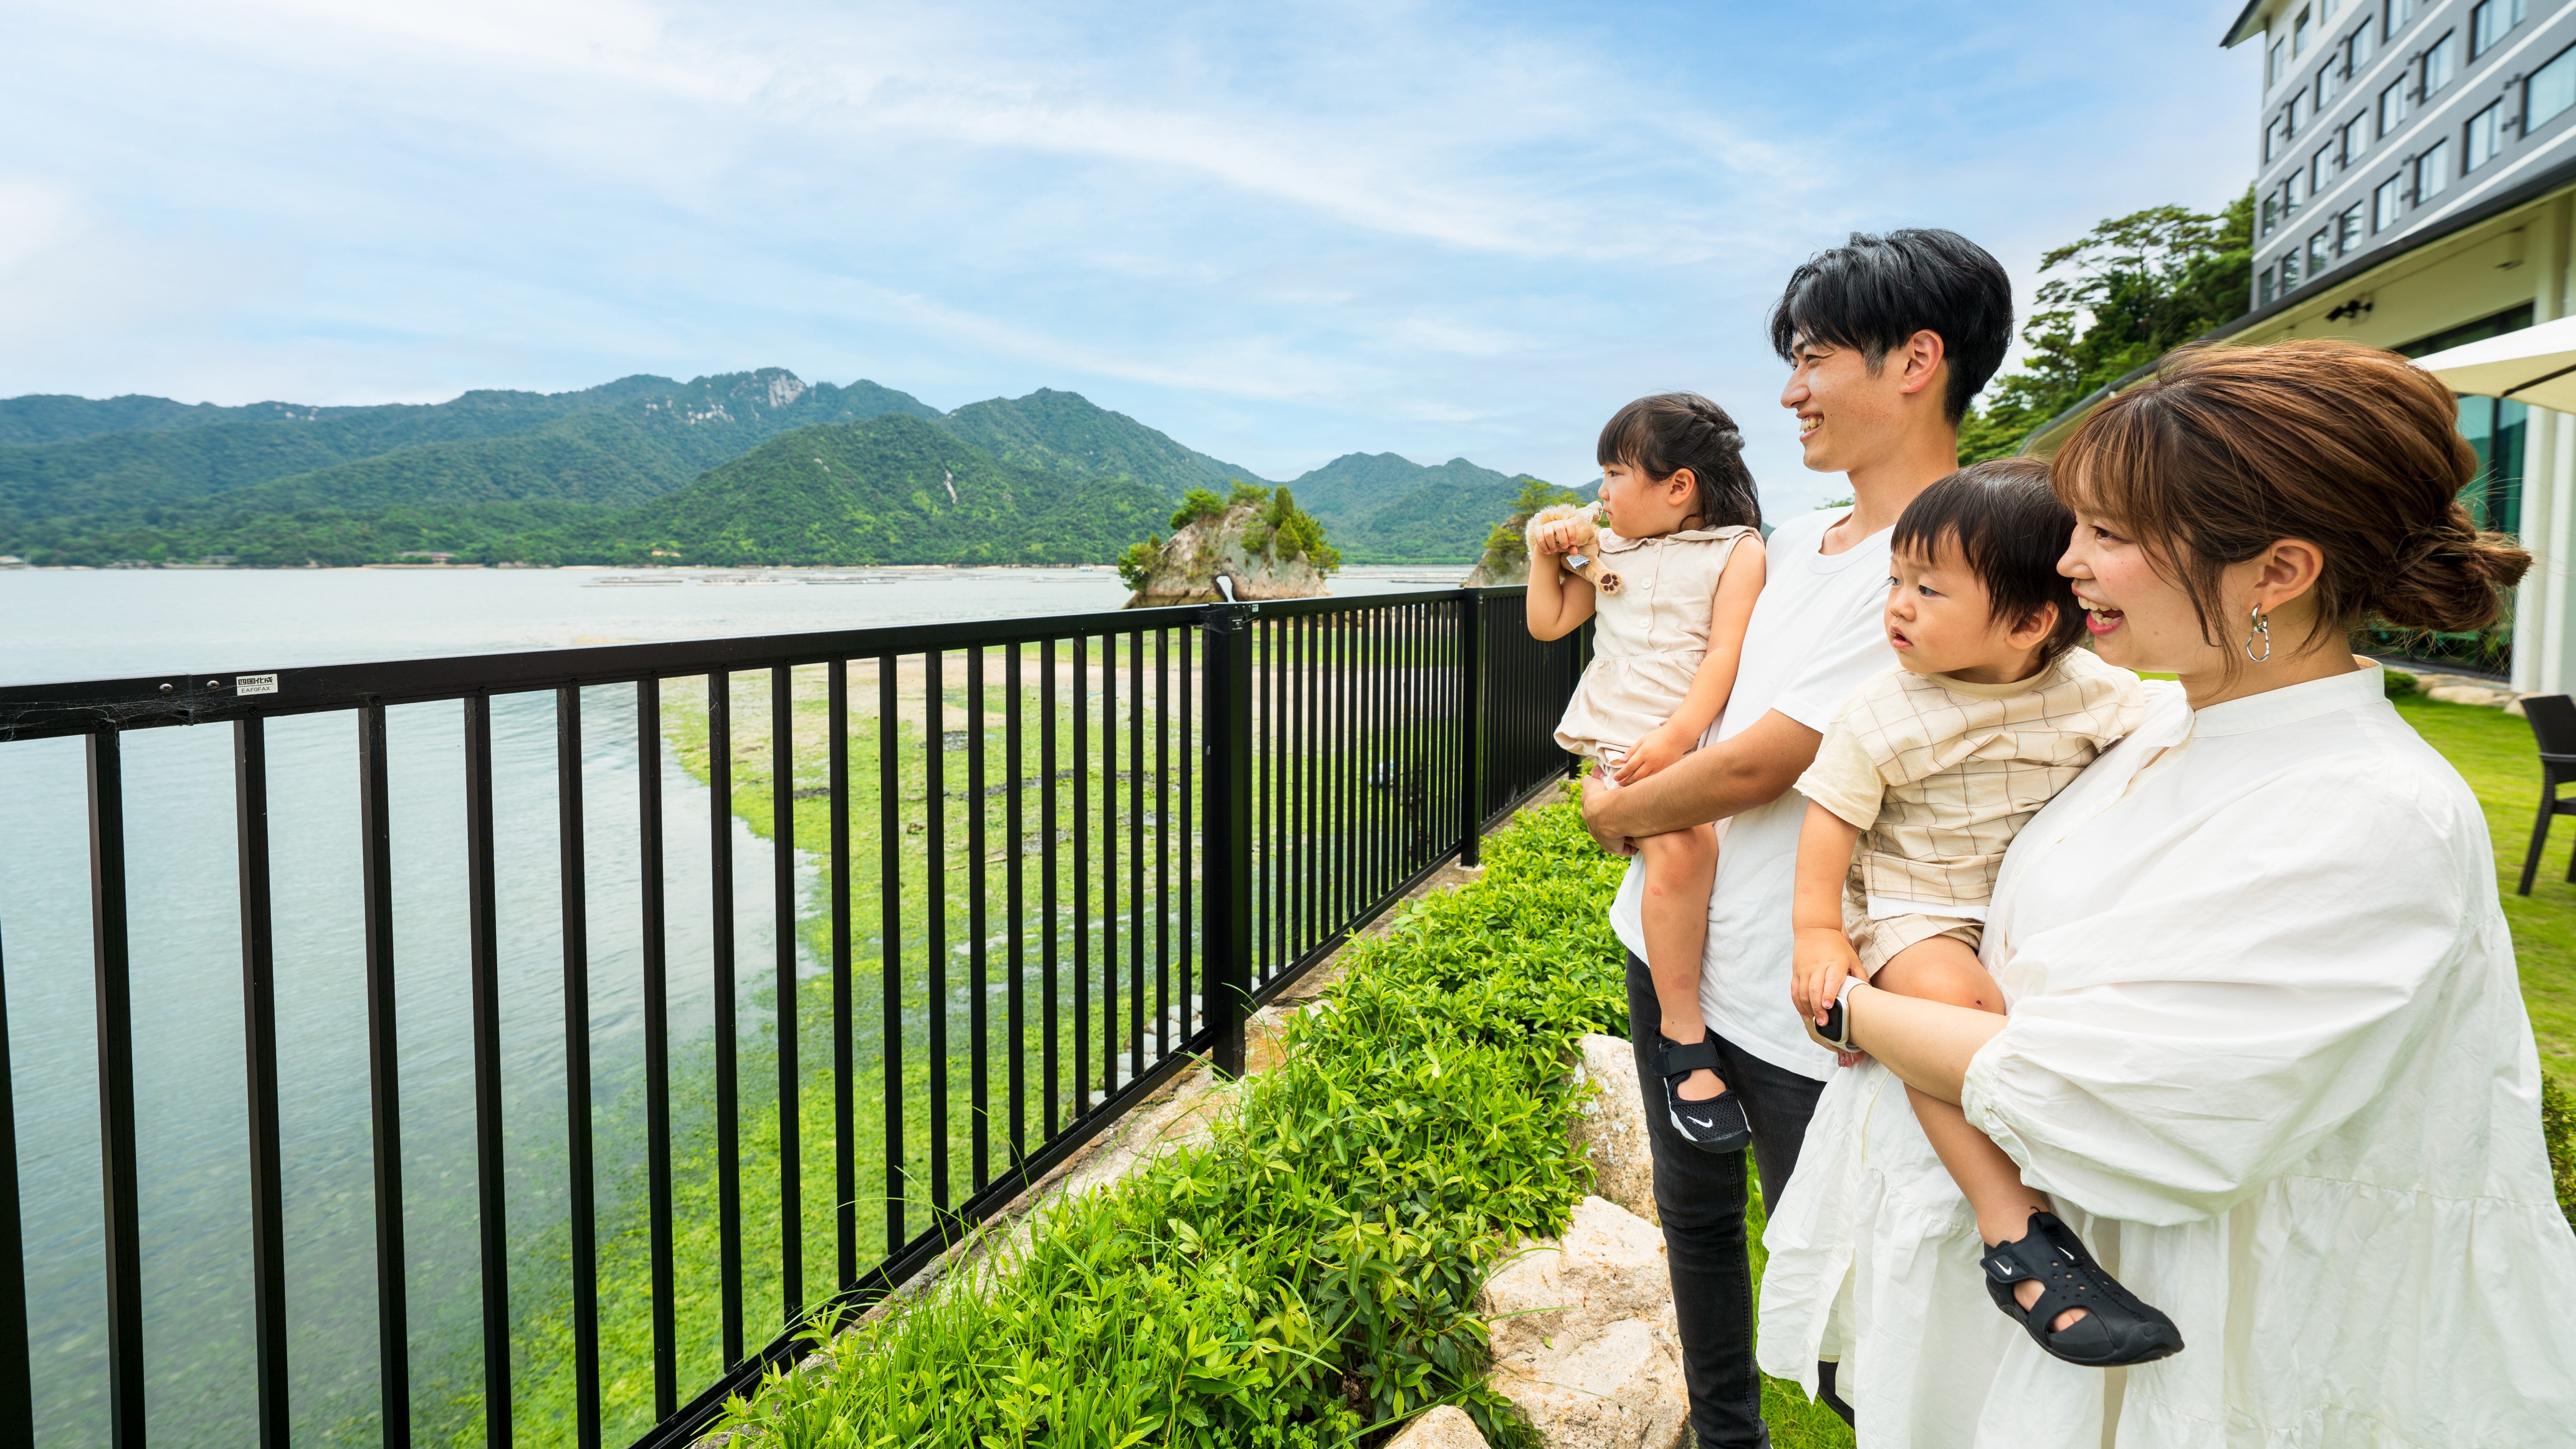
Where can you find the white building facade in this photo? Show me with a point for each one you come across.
(2416, 170)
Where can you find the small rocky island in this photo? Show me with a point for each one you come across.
(1256, 536)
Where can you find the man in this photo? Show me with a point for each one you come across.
(1887, 339)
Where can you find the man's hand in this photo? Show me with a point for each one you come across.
(1595, 790)
(1660, 748)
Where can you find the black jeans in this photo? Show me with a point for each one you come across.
(1700, 1196)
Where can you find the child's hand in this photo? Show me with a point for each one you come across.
(1562, 536)
(1822, 958)
(1662, 745)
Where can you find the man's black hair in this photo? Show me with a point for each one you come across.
(2006, 522)
(1878, 291)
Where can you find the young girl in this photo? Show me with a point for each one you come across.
(1673, 593)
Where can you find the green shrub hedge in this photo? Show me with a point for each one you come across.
(1310, 1275)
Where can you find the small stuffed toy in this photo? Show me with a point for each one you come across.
(1581, 566)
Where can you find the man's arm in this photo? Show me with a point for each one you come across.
(1754, 767)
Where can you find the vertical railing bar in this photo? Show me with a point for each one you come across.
(1188, 753)
(1471, 707)
(979, 1102)
(490, 1169)
(782, 876)
(393, 1319)
(1109, 834)
(934, 753)
(890, 939)
(575, 875)
(1016, 905)
(17, 1377)
(1163, 844)
(267, 1172)
(113, 986)
(1081, 711)
(845, 1106)
(1046, 873)
(728, 1104)
(1137, 720)
(657, 1045)
(1265, 809)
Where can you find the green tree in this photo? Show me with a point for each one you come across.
(2130, 291)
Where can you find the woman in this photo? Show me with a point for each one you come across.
(2266, 1050)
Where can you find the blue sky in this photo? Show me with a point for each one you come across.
(1277, 232)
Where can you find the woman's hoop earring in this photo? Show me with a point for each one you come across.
(2262, 630)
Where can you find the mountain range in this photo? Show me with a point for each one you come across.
(743, 468)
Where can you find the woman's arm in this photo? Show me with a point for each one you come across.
(1730, 609)
(1557, 603)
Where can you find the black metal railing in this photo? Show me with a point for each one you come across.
(1092, 844)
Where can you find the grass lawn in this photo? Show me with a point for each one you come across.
(2494, 751)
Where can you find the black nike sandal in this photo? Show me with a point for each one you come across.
(2117, 1328)
(1716, 1125)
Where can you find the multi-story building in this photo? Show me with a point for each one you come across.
(2415, 175)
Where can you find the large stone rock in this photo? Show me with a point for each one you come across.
(1612, 1129)
(1238, 543)
(1446, 1427)
(1583, 1335)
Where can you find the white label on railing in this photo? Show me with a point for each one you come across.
(254, 684)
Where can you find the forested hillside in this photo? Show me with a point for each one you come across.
(646, 468)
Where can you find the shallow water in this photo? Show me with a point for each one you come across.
(192, 1161)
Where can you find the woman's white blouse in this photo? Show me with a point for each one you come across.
(2268, 1054)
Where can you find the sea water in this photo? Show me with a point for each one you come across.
(192, 1151)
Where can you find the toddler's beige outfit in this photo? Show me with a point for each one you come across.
(1939, 774)
(1648, 638)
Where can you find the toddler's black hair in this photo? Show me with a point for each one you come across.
(1661, 435)
(2012, 530)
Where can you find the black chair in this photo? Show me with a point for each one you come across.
(2553, 725)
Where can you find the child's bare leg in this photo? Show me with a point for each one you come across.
(1943, 969)
(1681, 866)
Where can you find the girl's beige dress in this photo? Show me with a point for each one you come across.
(1648, 637)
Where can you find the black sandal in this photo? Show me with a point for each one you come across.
(2117, 1328)
(1716, 1125)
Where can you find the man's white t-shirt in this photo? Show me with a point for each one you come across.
(1815, 636)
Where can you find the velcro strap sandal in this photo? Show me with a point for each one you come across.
(2116, 1328)
(1716, 1125)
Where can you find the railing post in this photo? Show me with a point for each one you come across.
(1225, 838)
(1471, 724)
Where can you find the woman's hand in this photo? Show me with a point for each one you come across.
(1658, 750)
(1562, 536)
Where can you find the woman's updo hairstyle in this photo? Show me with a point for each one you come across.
(1661, 435)
(2228, 450)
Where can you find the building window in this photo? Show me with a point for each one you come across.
(2387, 203)
(2392, 110)
(2263, 289)
(2299, 34)
(2329, 84)
(2320, 176)
(2278, 63)
(2351, 141)
(2550, 91)
(2301, 108)
(2321, 250)
(2271, 213)
(2348, 229)
(2294, 190)
(2358, 51)
(2483, 138)
(2289, 271)
(2432, 172)
(2397, 13)
(2275, 136)
(2441, 64)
